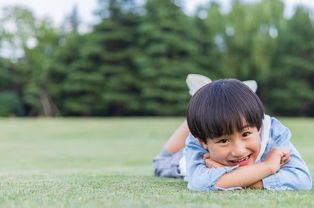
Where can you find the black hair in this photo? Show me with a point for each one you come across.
(222, 107)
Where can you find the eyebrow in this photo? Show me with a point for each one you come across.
(245, 126)
(224, 136)
(219, 138)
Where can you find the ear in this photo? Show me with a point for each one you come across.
(260, 129)
(251, 84)
(203, 144)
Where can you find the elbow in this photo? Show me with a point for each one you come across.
(303, 182)
(200, 181)
(306, 184)
(303, 186)
(196, 185)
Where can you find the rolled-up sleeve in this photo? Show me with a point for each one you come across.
(295, 174)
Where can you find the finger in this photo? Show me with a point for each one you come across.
(215, 166)
(285, 159)
(282, 160)
(206, 156)
(209, 164)
(288, 158)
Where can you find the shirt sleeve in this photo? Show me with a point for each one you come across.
(294, 175)
(201, 178)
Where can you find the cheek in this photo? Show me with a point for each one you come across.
(256, 144)
(217, 154)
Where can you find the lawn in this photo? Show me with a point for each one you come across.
(107, 163)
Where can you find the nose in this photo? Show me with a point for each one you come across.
(238, 149)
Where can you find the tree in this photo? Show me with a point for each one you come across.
(294, 76)
(251, 41)
(209, 26)
(167, 50)
(102, 81)
(118, 36)
(32, 43)
(38, 61)
(10, 102)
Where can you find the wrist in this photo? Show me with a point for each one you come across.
(270, 169)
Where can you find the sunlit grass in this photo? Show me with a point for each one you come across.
(107, 163)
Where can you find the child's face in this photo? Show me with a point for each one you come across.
(240, 148)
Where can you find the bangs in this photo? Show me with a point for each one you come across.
(222, 123)
(223, 107)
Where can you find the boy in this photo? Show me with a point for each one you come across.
(233, 145)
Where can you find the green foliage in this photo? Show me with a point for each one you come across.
(38, 61)
(206, 34)
(82, 84)
(135, 60)
(103, 80)
(6, 74)
(10, 104)
(31, 69)
(167, 51)
(118, 38)
(294, 78)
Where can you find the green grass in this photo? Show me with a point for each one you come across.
(107, 163)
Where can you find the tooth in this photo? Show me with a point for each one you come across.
(242, 159)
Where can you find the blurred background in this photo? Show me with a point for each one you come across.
(131, 57)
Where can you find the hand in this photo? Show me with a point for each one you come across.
(276, 158)
(285, 159)
(211, 163)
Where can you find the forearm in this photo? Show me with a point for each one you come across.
(257, 185)
(177, 140)
(245, 176)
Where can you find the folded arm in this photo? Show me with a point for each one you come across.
(292, 176)
(295, 174)
(251, 175)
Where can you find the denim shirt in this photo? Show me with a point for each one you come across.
(292, 176)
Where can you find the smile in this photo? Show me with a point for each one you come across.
(241, 162)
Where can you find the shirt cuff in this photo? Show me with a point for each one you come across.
(272, 182)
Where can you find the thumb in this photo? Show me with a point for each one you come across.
(206, 156)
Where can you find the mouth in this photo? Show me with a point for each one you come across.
(241, 162)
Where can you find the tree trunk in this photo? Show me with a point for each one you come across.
(48, 107)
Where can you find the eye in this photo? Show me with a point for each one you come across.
(223, 141)
(246, 134)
